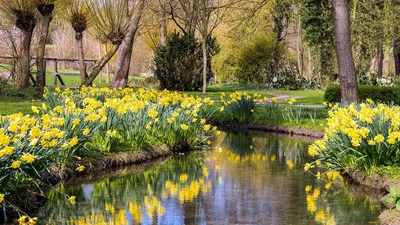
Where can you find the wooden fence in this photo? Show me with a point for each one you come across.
(56, 74)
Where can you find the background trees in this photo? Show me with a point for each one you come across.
(297, 36)
(21, 13)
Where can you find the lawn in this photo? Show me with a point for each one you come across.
(22, 101)
(69, 80)
(307, 97)
(17, 101)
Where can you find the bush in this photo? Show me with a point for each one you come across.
(364, 136)
(179, 63)
(257, 60)
(288, 78)
(376, 93)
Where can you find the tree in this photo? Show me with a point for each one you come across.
(163, 22)
(111, 23)
(121, 74)
(45, 7)
(210, 13)
(318, 30)
(22, 14)
(347, 74)
(79, 13)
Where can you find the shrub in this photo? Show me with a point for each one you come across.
(256, 60)
(179, 63)
(376, 93)
(364, 136)
(288, 78)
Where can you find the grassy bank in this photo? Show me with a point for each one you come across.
(310, 118)
(312, 97)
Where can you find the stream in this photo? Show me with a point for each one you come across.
(242, 179)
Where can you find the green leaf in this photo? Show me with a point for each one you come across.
(390, 199)
(398, 206)
(395, 192)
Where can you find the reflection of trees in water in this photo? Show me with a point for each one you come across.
(274, 147)
(322, 203)
(284, 149)
(239, 143)
(139, 194)
(245, 187)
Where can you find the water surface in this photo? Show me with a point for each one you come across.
(244, 179)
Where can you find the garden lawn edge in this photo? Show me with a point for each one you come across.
(233, 126)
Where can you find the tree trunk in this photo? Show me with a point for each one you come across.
(347, 74)
(396, 53)
(99, 65)
(41, 70)
(205, 60)
(121, 74)
(25, 58)
(299, 42)
(310, 70)
(163, 24)
(377, 61)
(81, 57)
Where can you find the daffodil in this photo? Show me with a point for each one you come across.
(15, 164)
(80, 168)
(184, 127)
(72, 200)
(1, 198)
(28, 158)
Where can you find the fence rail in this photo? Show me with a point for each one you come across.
(56, 74)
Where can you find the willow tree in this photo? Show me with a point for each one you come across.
(45, 7)
(112, 23)
(22, 14)
(79, 13)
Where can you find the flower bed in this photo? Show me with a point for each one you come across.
(69, 123)
(364, 137)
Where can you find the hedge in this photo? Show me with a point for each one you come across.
(376, 93)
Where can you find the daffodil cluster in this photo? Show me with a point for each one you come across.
(241, 105)
(362, 136)
(102, 119)
(137, 119)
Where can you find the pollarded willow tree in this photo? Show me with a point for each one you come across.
(117, 22)
(45, 8)
(80, 14)
(21, 13)
(106, 20)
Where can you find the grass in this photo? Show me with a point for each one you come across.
(308, 97)
(23, 101)
(70, 80)
(17, 101)
(305, 122)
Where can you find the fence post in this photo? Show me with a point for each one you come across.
(45, 73)
(55, 71)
